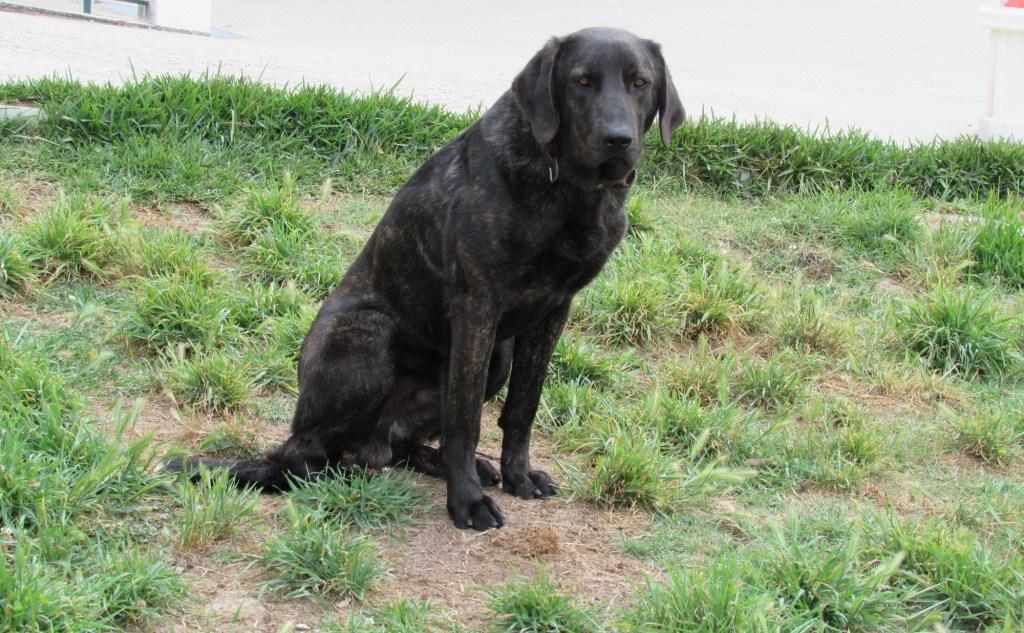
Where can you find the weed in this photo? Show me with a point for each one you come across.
(165, 310)
(217, 380)
(280, 341)
(72, 238)
(212, 508)
(998, 247)
(402, 616)
(133, 584)
(362, 498)
(638, 217)
(314, 555)
(259, 302)
(704, 377)
(274, 209)
(718, 299)
(577, 360)
(630, 470)
(711, 598)
(807, 326)
(237, 438)
(17, 267)
(963, 332)
(881, 225)
(150, 253)
(312, 263)
(951, 570)
(820, 586)
(772, 385)
(993, 436)
(536, 606)
(627, 310)
(682, 422)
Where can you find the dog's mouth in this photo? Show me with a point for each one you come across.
(615, 174)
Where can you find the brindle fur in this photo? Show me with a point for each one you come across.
(468, 279)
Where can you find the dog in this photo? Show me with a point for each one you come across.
(466, 283)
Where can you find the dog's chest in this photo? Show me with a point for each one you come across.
(564, 256)
(579, 248)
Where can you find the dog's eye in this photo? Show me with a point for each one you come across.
(639, 83)
(584, 81)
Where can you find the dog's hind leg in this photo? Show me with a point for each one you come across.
(346, 372)
(427, 460)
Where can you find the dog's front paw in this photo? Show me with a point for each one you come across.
(487, 473)
(480, 514)
(533, 484)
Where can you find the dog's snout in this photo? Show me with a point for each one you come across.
(618, 140)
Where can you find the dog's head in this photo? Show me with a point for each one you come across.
(590, 97)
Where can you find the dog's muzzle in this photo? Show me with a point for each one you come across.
(625, 183)
(616, 174)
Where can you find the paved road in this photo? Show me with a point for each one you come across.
(906, 69)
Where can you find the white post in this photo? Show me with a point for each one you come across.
(1004, 114)
(190, 15)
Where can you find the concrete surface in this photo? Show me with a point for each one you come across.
(905, 69)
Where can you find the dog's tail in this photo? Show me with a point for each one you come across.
(265, 474)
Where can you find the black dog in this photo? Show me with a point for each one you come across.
(469, 276)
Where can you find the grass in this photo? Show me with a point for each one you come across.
(952, 571)
(72, 239)
(990, 436)
(17, 269)
(997, 246)
(772, 385)
(219, 380)
(402, 616)
(159, 136)
(963, 331)
(167, 310)
(799, 375)
(61, 475)
(212, 508)
(364, 499)
(536, 606)
(314, 555)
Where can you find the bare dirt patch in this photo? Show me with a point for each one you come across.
(578, 544)
(816, 263)
(937, 220)
(31, 197)
(24, 311)
(188, 217)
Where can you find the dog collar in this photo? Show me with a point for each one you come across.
(553, 170)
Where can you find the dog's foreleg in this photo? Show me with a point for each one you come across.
(529, 368)
(472, 341)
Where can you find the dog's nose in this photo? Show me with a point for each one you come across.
(618, 140)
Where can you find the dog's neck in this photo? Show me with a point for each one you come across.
(512, 143)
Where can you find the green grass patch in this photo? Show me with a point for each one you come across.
(961, 331)
(537, 606)
(993, 435)
(166, 310)
(998, 245)
(401, 616)
(313, 555)
(73, 238)
(194, 138)
(368, 500)
(17, 267)
(220, 380)
(212, 508)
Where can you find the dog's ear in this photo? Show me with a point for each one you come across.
(670, 110)
(533, 90)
